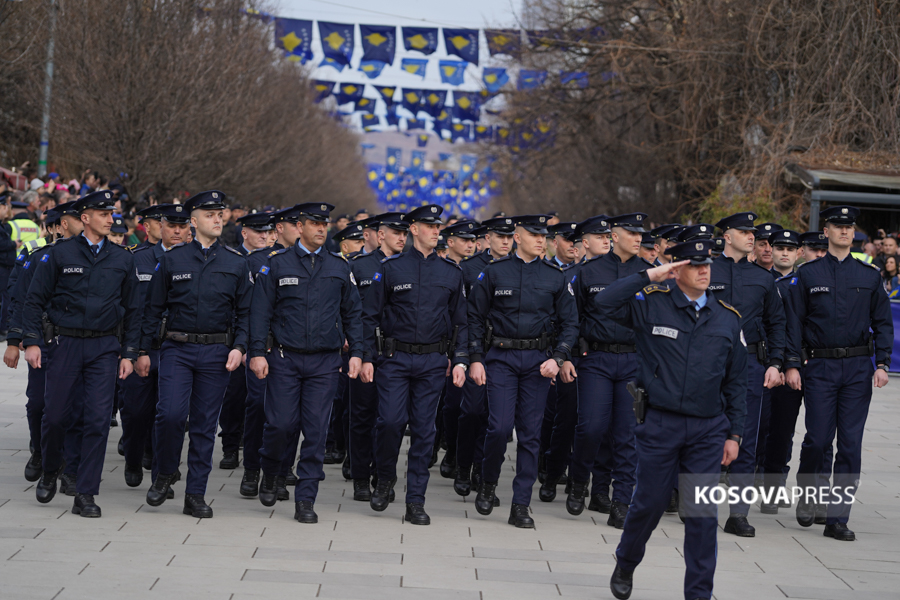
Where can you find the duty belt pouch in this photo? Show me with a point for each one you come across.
(762, 354)
(583, 347)
(48, 329)
(162, 330)
(389, 347)
(640, 401)
(871, 346)
(229, 337)
(270, 341)
(120, 332)
(804, 356)
(488, 334)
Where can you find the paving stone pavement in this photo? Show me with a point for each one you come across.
(250, 551)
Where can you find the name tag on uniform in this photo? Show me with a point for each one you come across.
(181, 276)
(503, 292)
(402, 287)
(819, 289)
(716, 288)
(596, 288)
(144, 276)
(365, 282)
(68, 270)
(289, 281)
(666, 332)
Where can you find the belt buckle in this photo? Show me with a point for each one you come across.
(841, 352)
(179, 337)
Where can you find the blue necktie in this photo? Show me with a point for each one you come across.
(95, 248)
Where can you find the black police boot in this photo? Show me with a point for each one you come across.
(113, 422)
(575, 500)
(768, 508)
(600, 503)
(329, 459)
(281, 491)
(839, 532)
(120, 447)
(672, 508)
(381, 495)
(737, 524)
(231, 460)
(484, 501)
(133, 475)
(547, 493)
(84, 505)
(250, 483)
(291, 480)
(821, 514)
(448, 466)
(268, 490)
(339, 455)
(621, 583)
(518, 516)
(159, 491)
(361, 491)
(46, 487)
(304, 513)
(806, 513)
(617, 513)
(33, 468)
(416, 515)
(345, 468)
(196, 506)
(476, 477)
(147, 461)
(462, 484)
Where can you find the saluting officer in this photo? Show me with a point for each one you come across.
(607, 364)
(85, 285)
(692, 366)
(833, 302)
(514, 308)
(415, 314)
(306, 299)
(750, 288)
(205, 287)
(141, 393)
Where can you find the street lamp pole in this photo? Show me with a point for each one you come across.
(48, 89)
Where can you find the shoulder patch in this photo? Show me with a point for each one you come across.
(45, 258)
(264, 269)
(867, 264)
(387, 258)
(339, 255)
(731, 308)
(452, 262)
(655, 287)
(132, 247)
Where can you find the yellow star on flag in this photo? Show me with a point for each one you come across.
(349, 89)
(368, 68)
(501, 40)
(335, 40)
(376, 39)
(411, 68)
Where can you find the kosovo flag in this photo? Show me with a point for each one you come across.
(579, 77)
(372, 68)
(378, 42)
(393, 159)
(467, 164)
(387, 93)
(374, 173)
(541, 38)
(503, 41)
(349, 92)
(365, 105)
(391, 116)
(321, 89)
(461, 131)
(295, 36)
(530, 79)
(463, 43)
(466, 105)
(337, 41)
(445, 156)
(453, 71)
(484, 132)
(433, 102)
(422, 140)
(415, 124)
(420, 39)
(414, 66)
(443, 122)
(369, 121)
(412, 100)
(417, 163)
(330, 62)
(494, 78)
(502, 135)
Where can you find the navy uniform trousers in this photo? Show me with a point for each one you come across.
(34, 407)
(837, 393)
(140, 395)
(93, 362)
(192, 382)
(254, 424)
(669, 443)
(231, 419)
(605, 411)
(517, 393)
(471, 427)
(450, 416)
(338, 427)
(300, 392)
(363, 412)
(409, 389)
(743, 468)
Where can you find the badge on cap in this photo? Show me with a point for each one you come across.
(787, 234)
(749, 217)
(639, 217)
(543, 219)
(434, 209)
(108, 196)
(843, 211)
(698, 246)
(509, 221)
(703, 228)
(324, 207)
(178, 208)
(215, 195)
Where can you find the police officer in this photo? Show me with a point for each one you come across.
(832, 303)
(498, 235)
(306, 299)
(561, 243)
(762, 249)
(692, 365)
(750, 288)
(608, 364)
(151, 221)
(370, 233)
(415, 314)
(663, 235)
(513, 352)
(85, 286)
(205, 287)
(350, 239)
(118, 230)
(254, 233)
(648, 248)
(141, 393)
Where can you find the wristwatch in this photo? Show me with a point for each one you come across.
(735, 438)
(883, 368)
(464, 366)
(559, 362)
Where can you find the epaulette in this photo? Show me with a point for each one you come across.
(553, 266)
(357, 256)
(783, 277)
(868, 264)
(809, 262)
(731, 308)
(452, 262)
(274, 252)
(760, 266)
(501, 259)
(230, 249)
(655, 287)
(263, 249)
(339, 255)
(137, 248)
(387, 258)
(133, 247)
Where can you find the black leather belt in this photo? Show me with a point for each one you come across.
(838, 352)
(197, 338)
(442, 347)
(751, 348)
(299, 351)
(514, 344)
(85, 333)
(587, 346)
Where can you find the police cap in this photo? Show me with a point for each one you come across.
(696, 251)
(52, 216)
(315, 211)
(394, 220)
(442, 242)
(67, 208)
(764, 231)
(353, 231)
(633, 222)
(503, 225)
(741, 220)
(174, 213)
(258, 221)
(598, 224)
(563, 230)
(151, 212)
(289, 214)
(840, 215)
(533, 223)
(701, 231)
(667, 232)
(785, 237)
(102, 200)
(461, 229)
(118, 225)
(814, 239)
(647, 240)
(430, 213)
(208, 200)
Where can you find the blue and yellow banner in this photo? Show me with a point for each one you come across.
(365, 105)
(484, 133)
(417, 162)
(414, 66)
(393, 160)
(295, 37)
(494, 78)
(411, 99)
(349, 92)
(461, 131)
(391, 116)
(453, 71)
(462, 43)
(579, 77)
(370, 121)
(422, 140)
(372, 68)
(337, 41)
(321, 89)
(530, 79)
(503, 41)
(420, 39)
(433, 101)
(387, 93)
(378, 42)
(466, 105)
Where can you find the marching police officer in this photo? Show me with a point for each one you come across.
(513, 351)
(350, 239)
(205, 287)
(833, 302)
(750, 288)
(151, 220)
(85, 286)
(762, 249)
(415, 314)
(692, 366)
(306, 299)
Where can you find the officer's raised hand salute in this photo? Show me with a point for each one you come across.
(690, 405)
(86, 287)
(205, 287)
(833, 302)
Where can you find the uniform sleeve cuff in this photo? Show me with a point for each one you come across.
(475, 358)
(241, 348)
(356, 354)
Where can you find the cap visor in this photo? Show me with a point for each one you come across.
(317, 218)
(535, 229)
(632, 229)
(397, 226)
(706, 260)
